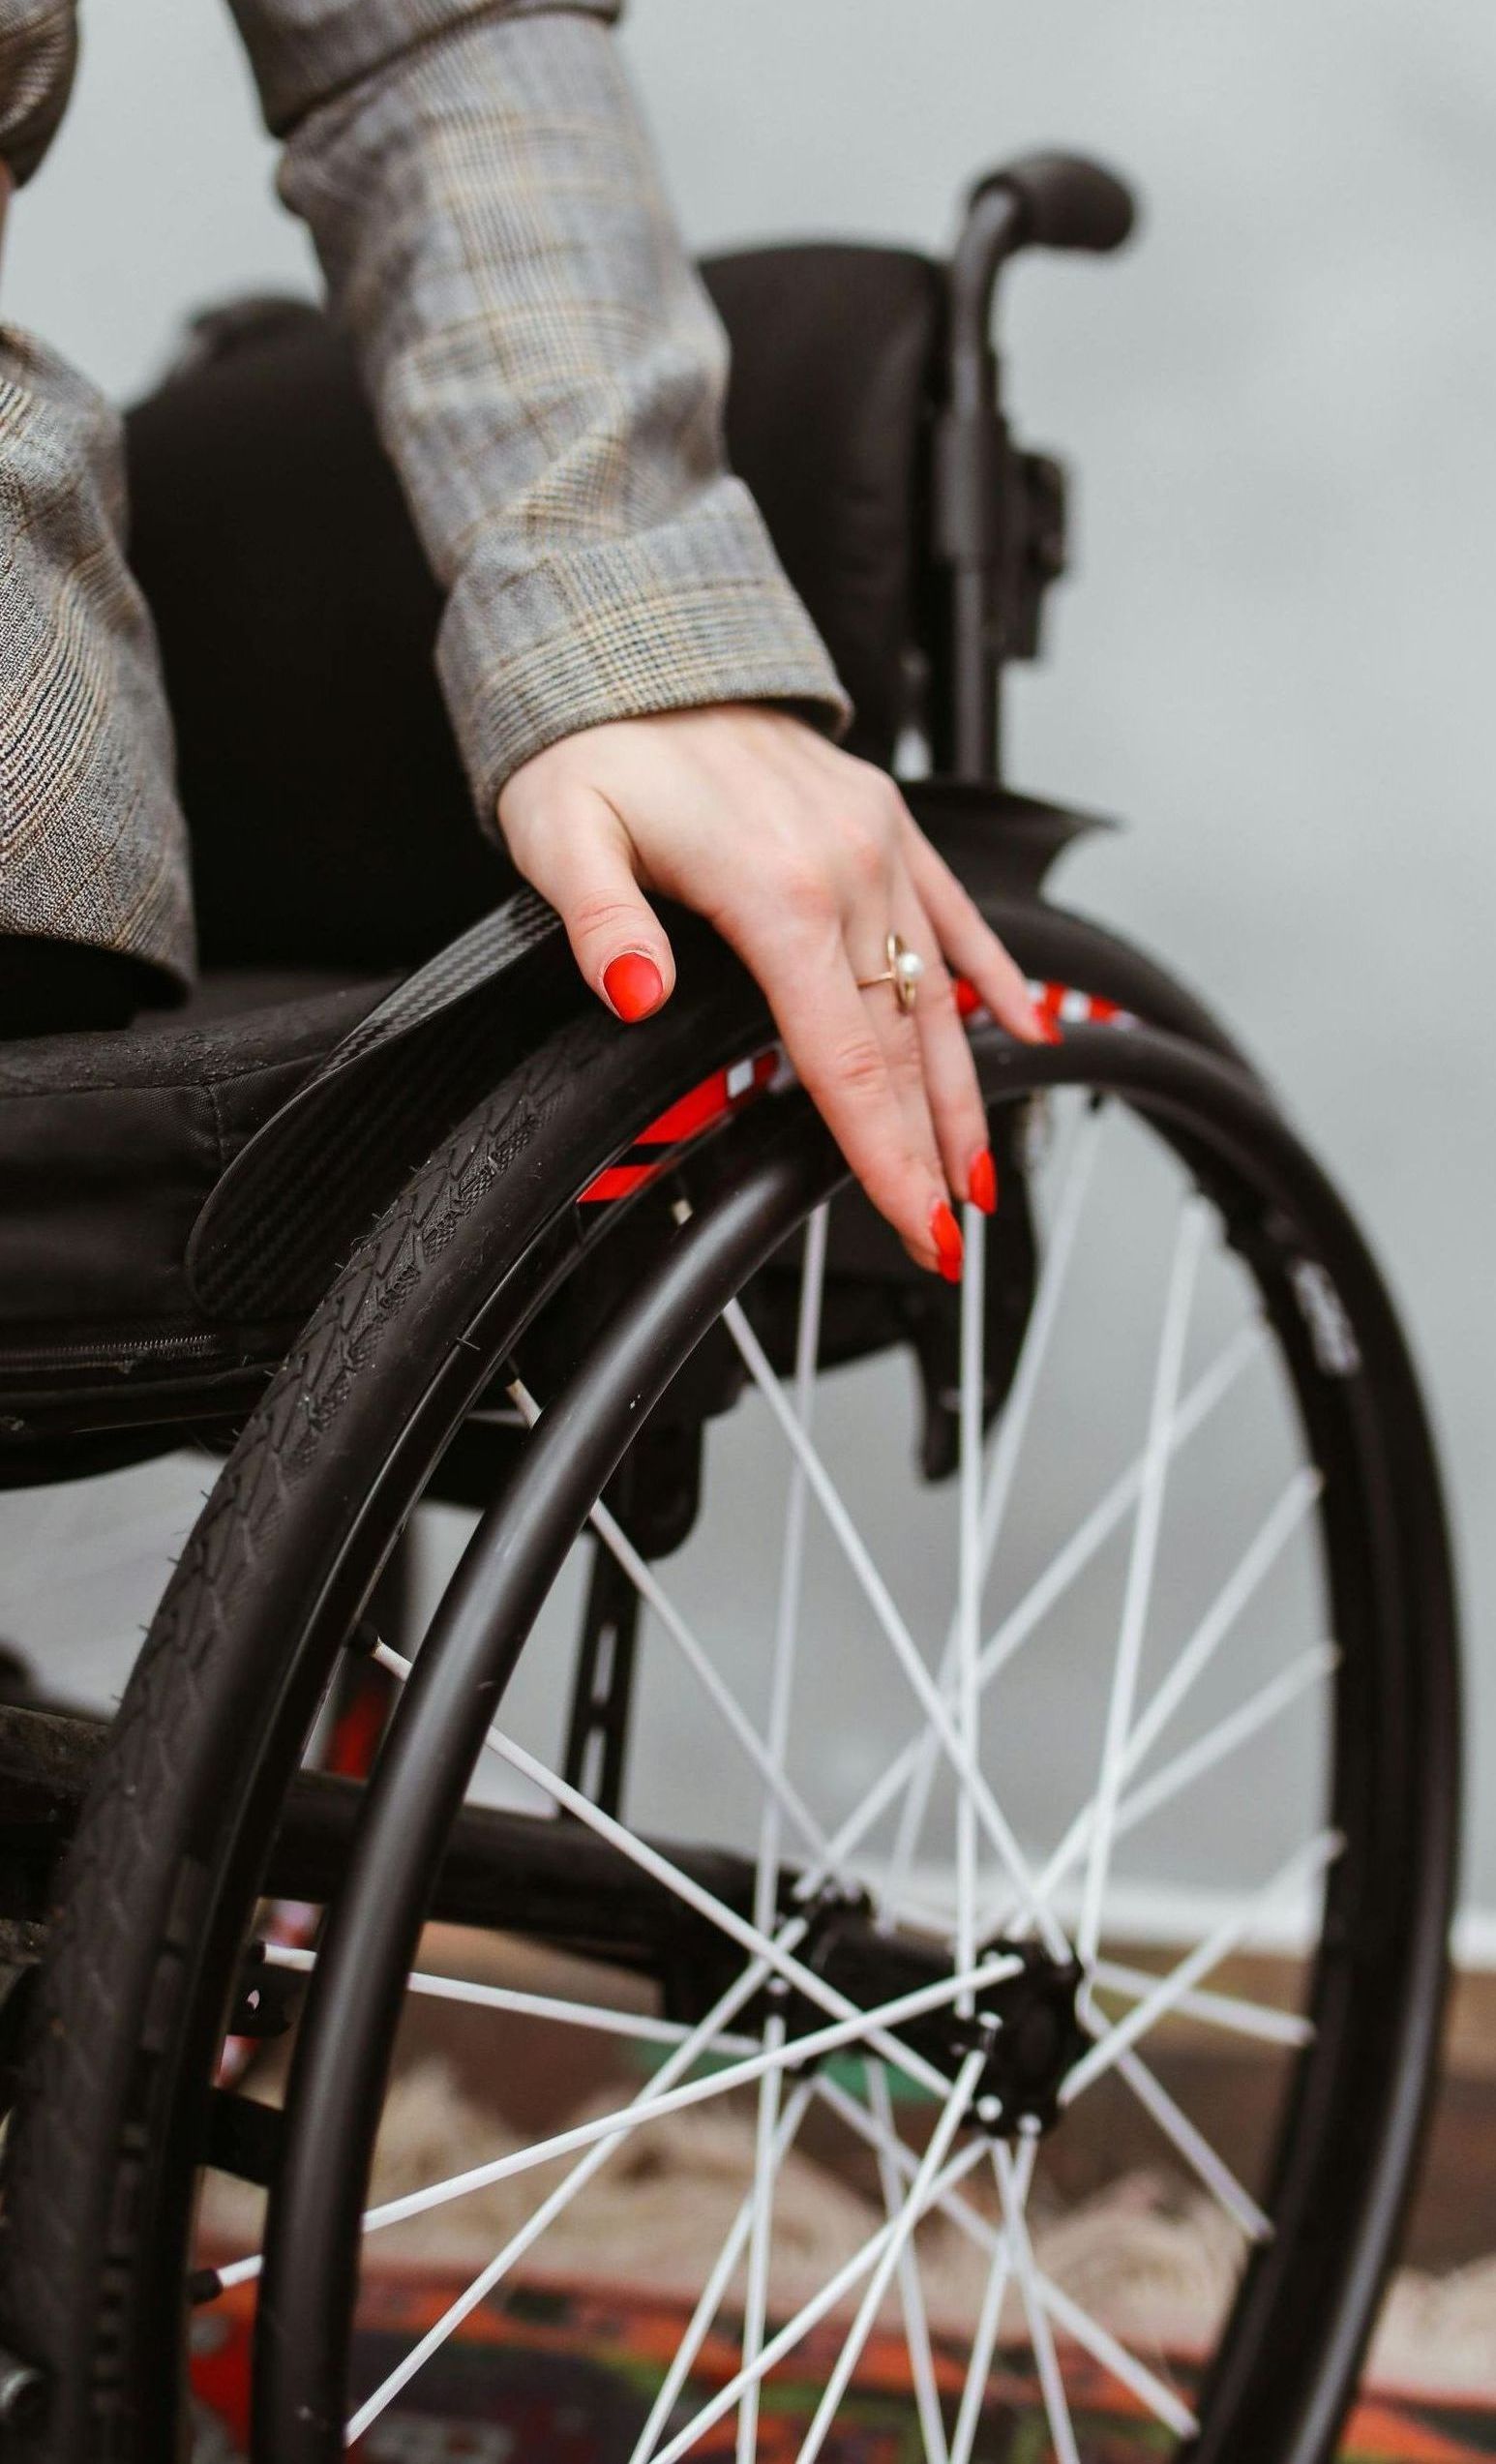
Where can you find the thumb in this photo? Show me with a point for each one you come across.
(584, 864)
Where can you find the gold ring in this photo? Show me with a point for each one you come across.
(904, 969)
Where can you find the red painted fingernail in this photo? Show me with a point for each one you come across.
(946, 1233)
(968, 998)
(1046, 1027)
(634, 984)
(982, 1185)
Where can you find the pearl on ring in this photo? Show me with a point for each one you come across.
(903, 971)
(908, 966)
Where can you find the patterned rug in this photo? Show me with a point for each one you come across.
(565, 2375)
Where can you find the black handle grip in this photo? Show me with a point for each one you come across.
(1064, 201)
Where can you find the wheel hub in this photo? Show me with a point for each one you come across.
(1028, 2023)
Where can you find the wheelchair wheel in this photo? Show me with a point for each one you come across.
(867, 1931)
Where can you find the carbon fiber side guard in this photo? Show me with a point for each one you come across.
(335, 1153)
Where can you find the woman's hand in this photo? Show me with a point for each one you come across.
(805, 860)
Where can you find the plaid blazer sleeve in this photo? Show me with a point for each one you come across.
(38, 57)
(93, 847)
(547, 371)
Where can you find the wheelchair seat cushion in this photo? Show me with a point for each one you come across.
(109, 1144)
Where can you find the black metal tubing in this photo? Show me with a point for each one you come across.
(344, 2051)
(1056, 201)
(1380, 1980)
(971, 448)
(252, 1725)
(602, 1699)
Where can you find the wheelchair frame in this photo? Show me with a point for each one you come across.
(998, 539)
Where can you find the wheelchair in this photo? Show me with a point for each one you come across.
(1116, 1570)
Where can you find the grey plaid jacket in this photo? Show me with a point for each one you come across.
(547, 376)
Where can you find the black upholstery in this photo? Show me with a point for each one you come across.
(110, 1143)
(833, 369)
(331, 825)
(332, 830)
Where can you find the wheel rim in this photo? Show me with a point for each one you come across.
(789, 1181)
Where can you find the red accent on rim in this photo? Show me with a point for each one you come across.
(694, 1112)
(619, 1180)
(356, 1740)
(724, 1092)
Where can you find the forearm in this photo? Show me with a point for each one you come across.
(549, 378)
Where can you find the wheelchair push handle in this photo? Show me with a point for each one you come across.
(1041, 200)
(999, 515)
(1063, 201)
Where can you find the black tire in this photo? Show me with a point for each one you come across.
(167, 1859)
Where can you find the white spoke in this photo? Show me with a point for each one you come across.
(525, 2005)
(1238, 1728)
(1007, 1446)
(1302, 1494)
(867, 2127)
(1125, 2367)
(1218, 2010)
(990, 2322)
(916, 2327)
(1304, 1866)
(761, 2241)
(897, 1633)
(1194, 1221)
(648, 1584)
(1195, 2148)
(900, 2228)
(714, 2291)
(560, 2198)
(702, 2039)
(792, 1567)
(1208, 1390)
(872, 2026)
(601, 2135)
(1311, 1669)
(772, 1952)
(1043, 1317)
(482, 2285)
(1246, 1580)
(1051, 2379)
(994, 2241)
(970, 1577)
(799, 2326)
(765, 1892)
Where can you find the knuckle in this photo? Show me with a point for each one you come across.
(891, 805)
(864, 853)
(878, 790)
(802, 891)
(906, 1060)
(596, 912)
(859, 1065)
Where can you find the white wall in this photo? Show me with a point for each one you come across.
(1283, 409)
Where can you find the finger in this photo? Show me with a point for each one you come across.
(951, 1088)
(894, 1026)
(841, 1064)
(578, 856)
(969, 944)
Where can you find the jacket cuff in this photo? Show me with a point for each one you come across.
(692, 610)
(38, 62)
